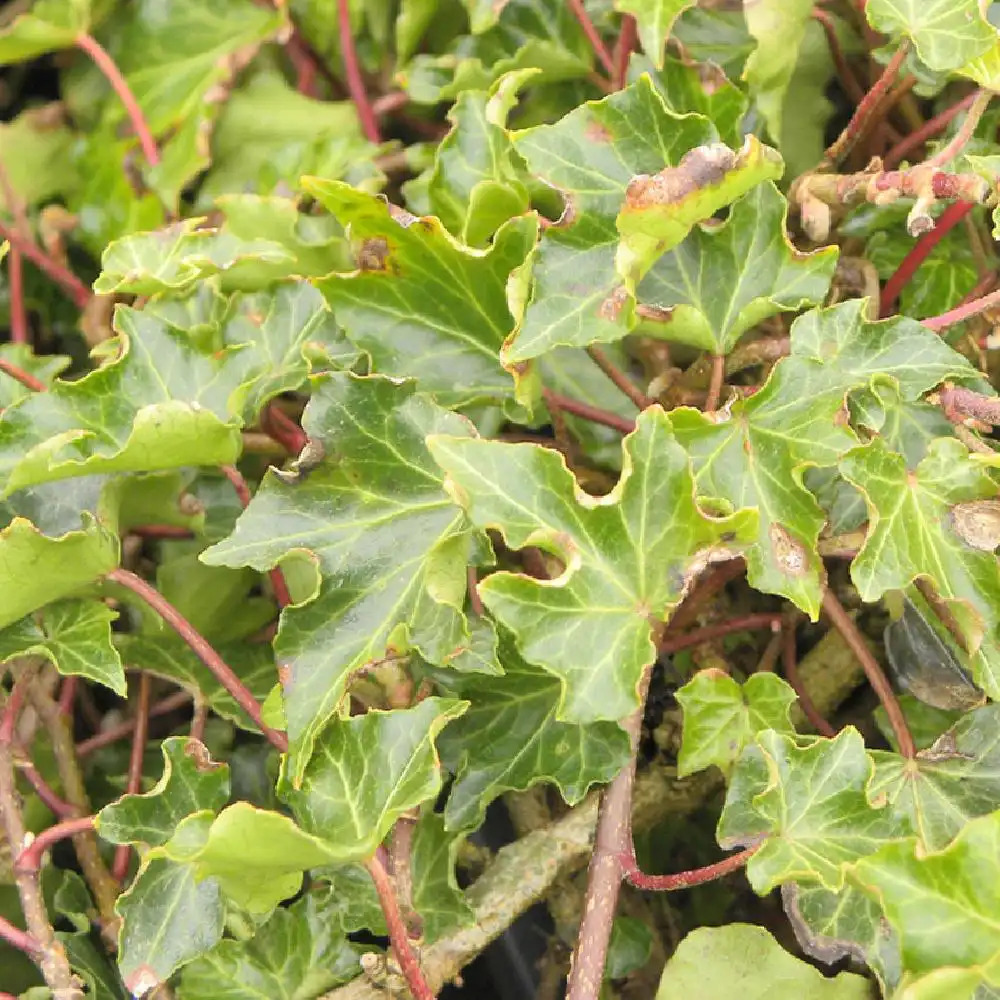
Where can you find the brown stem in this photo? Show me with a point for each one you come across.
(848, 80)
(400, 863)
(604, 876)
(962, 312)
(928, 130)
(715, 385)
(104, 62)
(202, 649)
(956, 400)
(30, 859)
(879, 682)
(67, 694)
(769, 658)
(620, 379)
(683, 880)
(160, 531)
(673, 644)
(627, 38)
(283, 429)
(119, 868)
(860, 120)
(25, 378)
(708, 586)
(964, 133)
(790, 665)
(19, 333)
(474, 599)
(19, 939)
(199, 717)
(352, 74)
(405, 955)
(600, 49)
(393, 101)
(588, 412)
(68, 281)
(123, 729)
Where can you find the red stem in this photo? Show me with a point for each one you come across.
(202, 649)
(68, 281)
(950, 218)
(115, 733)
(627, 38)
(592, 36)
(789, 663)
(619, 378)
(25, 378)
(19, 939)
(104, 62)
(18, 314)
(588, 412)
(928, 130)
(766, 619)
(57, 806)
(352, 71)
(119, 868)
(683, 880)
(279, 426)
(405, 955)
(160, 531)
(275, 575)
(707, 587)
(848, 80)
(30, 859)
(306, 70)
(962, 312)
(11, 710)
(955, 399)
(67, 694)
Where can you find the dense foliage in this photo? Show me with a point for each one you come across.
(433, 429)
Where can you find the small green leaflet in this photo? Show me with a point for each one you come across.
(654, 19)
(629, 556)
(436, 895)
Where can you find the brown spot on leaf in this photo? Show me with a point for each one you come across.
(977, 523)
(406, 219)
(700, 167)
(789, 553)
(596, 132)
(373, 254)
(284, 674)
(198, 752)
(611, 307)
(142, 981)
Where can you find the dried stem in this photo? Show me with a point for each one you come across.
(928, 130)
(620, 379)
(673, 644)
(683, 880)
(964, 133)
(30, 859)
(600, 49)
(202, 649)
(715, 384)
(789, 663)
(66, 280)
(879, 682)
(199, 718)
(405, 955)
(588, 412)
(123, 729)
(119, 868)
(113, 74)
(962, 312)
(352, 74)
(860, 120)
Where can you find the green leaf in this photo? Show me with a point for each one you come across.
(726, 278)
(168, 918)
(408, 303)
(510, 739)
(717, 963)
(948, 784)
(912, 534)
(779, 26)
(807, 801)
(756, 454)
(946, 33)
(50, 25)
(721, 717)
(299, 953)
(373, 518)
(39, 569)
(75, 635)
(191, 781)
(654, 19)
(436, 895)
(942, 905)
(629, 556)
(715, 34)
(34, 149)
(590, 157)
(366, 772)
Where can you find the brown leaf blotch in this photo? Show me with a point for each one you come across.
(198, 752)
(611, 307)
(373, 254)
(977, 523)
(789, 553)
(596, 132)
(700, 167)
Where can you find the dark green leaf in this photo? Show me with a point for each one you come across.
(436, 895)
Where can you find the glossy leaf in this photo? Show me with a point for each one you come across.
(436, 895)
(629, 556)
(373, 518)
(807, 802)
(654, 18)
(721, 717)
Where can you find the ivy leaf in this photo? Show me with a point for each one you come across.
(44, 368)
(654, 18)
(34, 149)
(515, 717)
(942, 905)
(724, 279)
(721, 717)
(436, 895)
(300, 952)
(808, 802)
(948, 784)
(590, 157)
(168, 918)
(946, 33)
(716, 963)
(48, 26)
(75, 636)
(373, 518)
(911, 534)
(366, 772)
(629, 556)
(421, 304)
(191, 781)
(94, 966)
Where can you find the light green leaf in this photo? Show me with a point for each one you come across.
(48, 26)
(717, 963)
(946, 33)
(191, 781)
(721, 717)
(806, 801)
(34, 150)
(654, 19)
(421, 304)
(726, 278)
(436, 895)
(629, 556)
(75, 635)
(373, 518)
